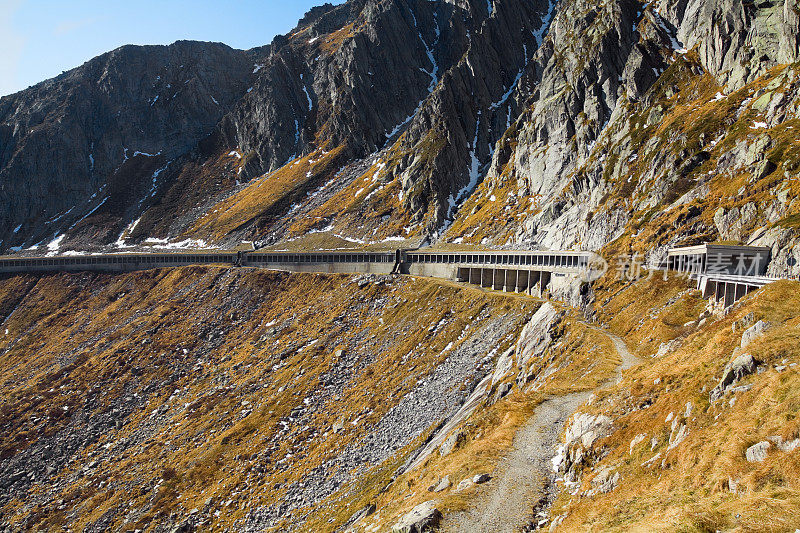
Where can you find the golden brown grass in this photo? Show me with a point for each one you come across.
(268, 197)
(687, 488)
(586, 360)
(129, 331)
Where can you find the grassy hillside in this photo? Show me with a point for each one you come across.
(226, 396)
(681, 457)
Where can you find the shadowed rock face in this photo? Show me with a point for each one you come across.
(117, 118)
(441, 71)
(358, 75)
(440, 95)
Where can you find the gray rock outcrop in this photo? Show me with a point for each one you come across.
(753, 332)
(97, 138)
(757, 452)
(421, 519)
(741, 366)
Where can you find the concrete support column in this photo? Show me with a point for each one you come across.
(498, 279)
(730, 294)
(487, 278)
(545, 283)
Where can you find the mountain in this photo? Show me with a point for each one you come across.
(200, 398)
(96, 139)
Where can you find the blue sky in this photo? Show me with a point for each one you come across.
(40, 39)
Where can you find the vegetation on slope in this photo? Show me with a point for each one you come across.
(138, 398)
(680, 451)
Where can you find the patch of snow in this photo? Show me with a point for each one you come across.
(235, 154)
(137, 152)
(391, 134)
(186, 244)
(546, 20)
(250, 89)
(759, 125)
(676, 44)
(326, 229)
(16, 230)
(474, 174)
(120, 243)
(434, 72)
(154, 100)
(90, 213)
(91, 163)
(350, 239)
(508, 93)
(257, 68)
(214, 100)
(55, 243)
(308, 96)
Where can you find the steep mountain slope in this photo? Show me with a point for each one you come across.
(378, 129)
(251, 396)
(631, 134)
(236, 399)
(98, 138)
(704, 436)
(374, 123)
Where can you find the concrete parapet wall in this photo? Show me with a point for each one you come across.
(433, 270)
(331, 268)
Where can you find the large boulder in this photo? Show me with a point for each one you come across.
(443, 484)
(587, 429)
(537, 334)
(757, 452)
(451, 443)
(753, 332)
(424, 517)
(740, 367)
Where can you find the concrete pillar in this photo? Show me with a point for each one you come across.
(545, 283)
(499, 278)
(523, 277)
(730, 294)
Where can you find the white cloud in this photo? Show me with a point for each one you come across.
(69, 26)
(12, 44)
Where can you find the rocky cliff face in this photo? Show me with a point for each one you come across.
(650, 125)
(537, 124)
(101, 134)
